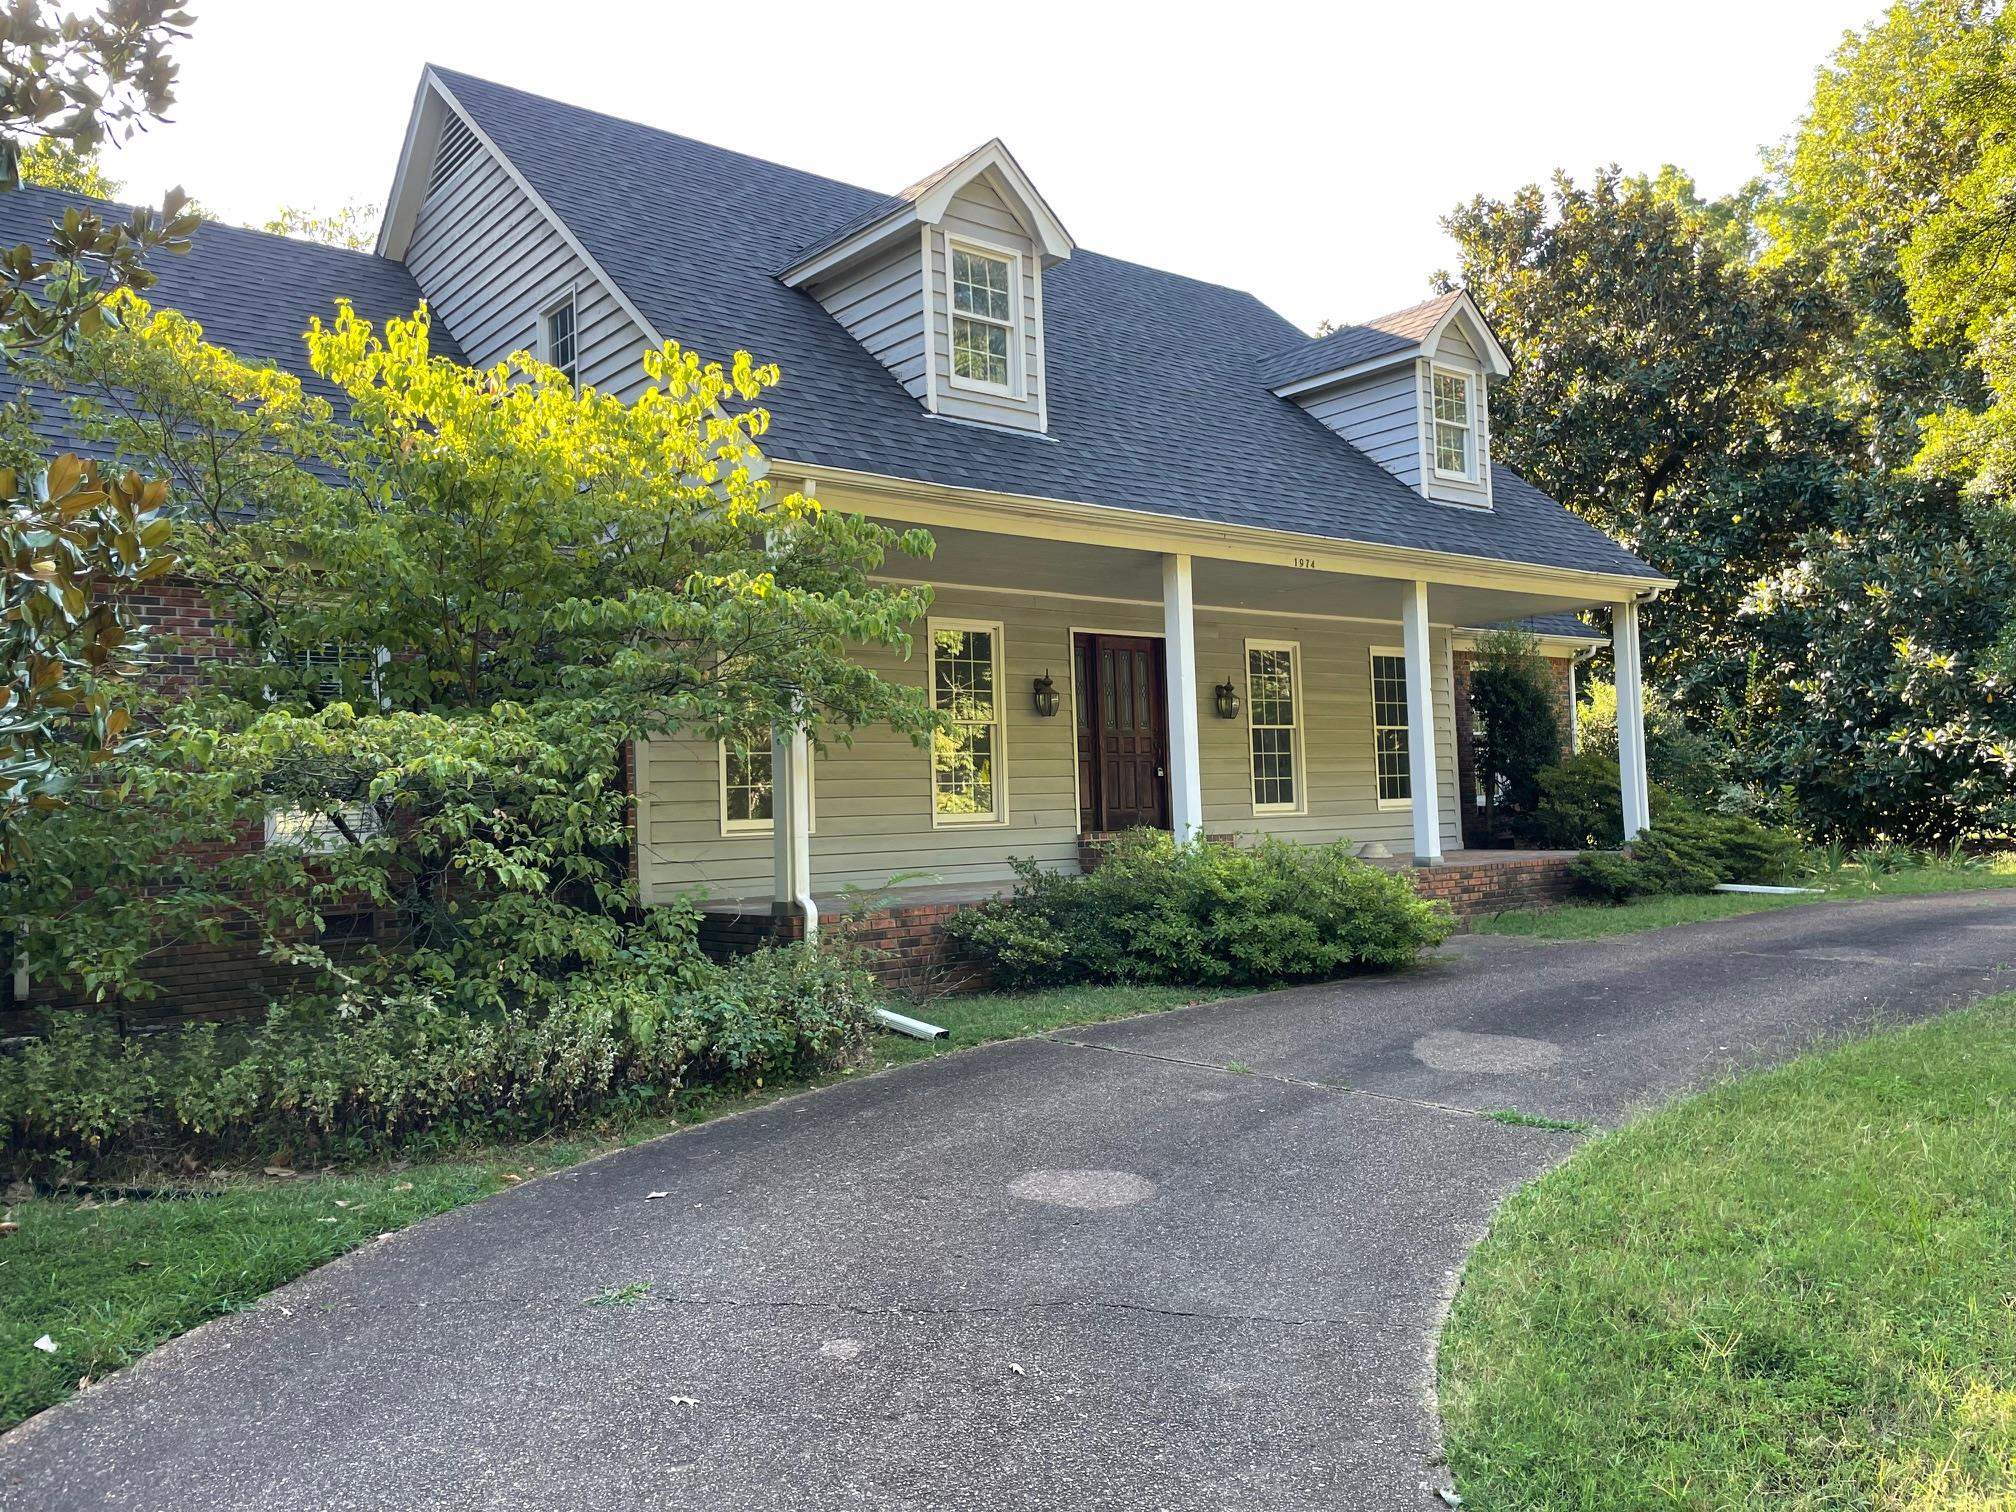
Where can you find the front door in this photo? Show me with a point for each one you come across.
(1123, 733)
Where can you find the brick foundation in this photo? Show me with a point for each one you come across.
(914, 957)
(908, 940)
(1476, 890)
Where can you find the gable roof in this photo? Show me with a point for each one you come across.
(925, 201)
(1413, 331)
(251, 291)
(1153, 402)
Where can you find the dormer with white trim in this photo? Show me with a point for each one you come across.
(943, 284)
(1411, 390)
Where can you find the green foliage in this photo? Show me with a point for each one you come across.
(66, 649)
(1155, 910)
(1514, 698)
(557, 571)
(364, 1074)
(49, 163)
(353, 225)
(1687, 851)
(1795, 401)
(68, 80)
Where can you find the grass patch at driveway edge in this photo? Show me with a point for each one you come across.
(1793, 1290)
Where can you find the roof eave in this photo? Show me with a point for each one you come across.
(1330, 377)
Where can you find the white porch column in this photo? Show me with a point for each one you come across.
(1179, 646)
(1631, 723)
(1421, 783)
(791, 824)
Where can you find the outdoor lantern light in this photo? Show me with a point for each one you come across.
(1228, 700)
(1046, 696)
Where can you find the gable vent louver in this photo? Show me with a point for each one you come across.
(458, 145)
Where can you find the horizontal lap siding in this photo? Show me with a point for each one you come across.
(1381, 417)
(490, 263)
(882, 307)
(872, 799)
(1455, 352)
(978, 213)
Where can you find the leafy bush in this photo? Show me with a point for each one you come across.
(1159, 911)
(1580, 803)
(1513, 697)
(312, 1079)
(1688, 851)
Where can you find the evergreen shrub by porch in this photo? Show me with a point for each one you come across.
(1158, 911)
(1688, 851)
(315, 1080)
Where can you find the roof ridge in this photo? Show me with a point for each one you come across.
(636, 125)
(79, 198)
(885, 200)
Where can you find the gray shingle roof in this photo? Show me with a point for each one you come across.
(1153, 400)
(1561, 626)
(251, 291)
(1383, 336)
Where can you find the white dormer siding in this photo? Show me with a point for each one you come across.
(879, 302)
(1455, 357)
(979, 222)
(491, 264)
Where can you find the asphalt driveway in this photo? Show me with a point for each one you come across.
(1194, 1259)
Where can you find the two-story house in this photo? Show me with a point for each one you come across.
(1195, 569)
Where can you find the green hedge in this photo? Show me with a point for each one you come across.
(312, 1081)
(1688, 851)
(1158, 911)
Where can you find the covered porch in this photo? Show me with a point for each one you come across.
(1232, 689)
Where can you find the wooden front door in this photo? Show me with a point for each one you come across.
(1123, 733)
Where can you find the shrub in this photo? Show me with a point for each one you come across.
(1688, 851)
(1513, 697)
(1159, 911)
(314, 1080)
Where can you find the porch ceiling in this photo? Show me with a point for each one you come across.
(986, 559)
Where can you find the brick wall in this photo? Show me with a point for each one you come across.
(1494, 887)
(907, 941)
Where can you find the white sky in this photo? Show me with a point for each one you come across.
(1302, 153)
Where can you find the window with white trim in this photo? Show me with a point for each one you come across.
(1274, 705)
(747, 793)
(1455, 432)
(983, 319)
(1389, 729)
(558, 331)
(966, 774)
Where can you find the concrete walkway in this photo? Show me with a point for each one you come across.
(1191, 1260)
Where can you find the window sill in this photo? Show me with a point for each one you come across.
(1395, 805)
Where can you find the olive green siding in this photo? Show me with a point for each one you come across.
(872, 820)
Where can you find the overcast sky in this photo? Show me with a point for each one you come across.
(1303, 153)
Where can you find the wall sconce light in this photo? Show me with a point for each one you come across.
(1228, 700)
(1046, 697)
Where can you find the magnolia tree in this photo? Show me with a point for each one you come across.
(454, 602)
(69, 81)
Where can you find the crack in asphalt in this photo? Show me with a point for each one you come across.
(1339, 1089)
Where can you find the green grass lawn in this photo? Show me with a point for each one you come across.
(1589, 921)
(1795, 1291)
(108, 1279)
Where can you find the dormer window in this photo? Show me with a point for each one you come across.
(1455, 438)
(557, 333)
(983, 319)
